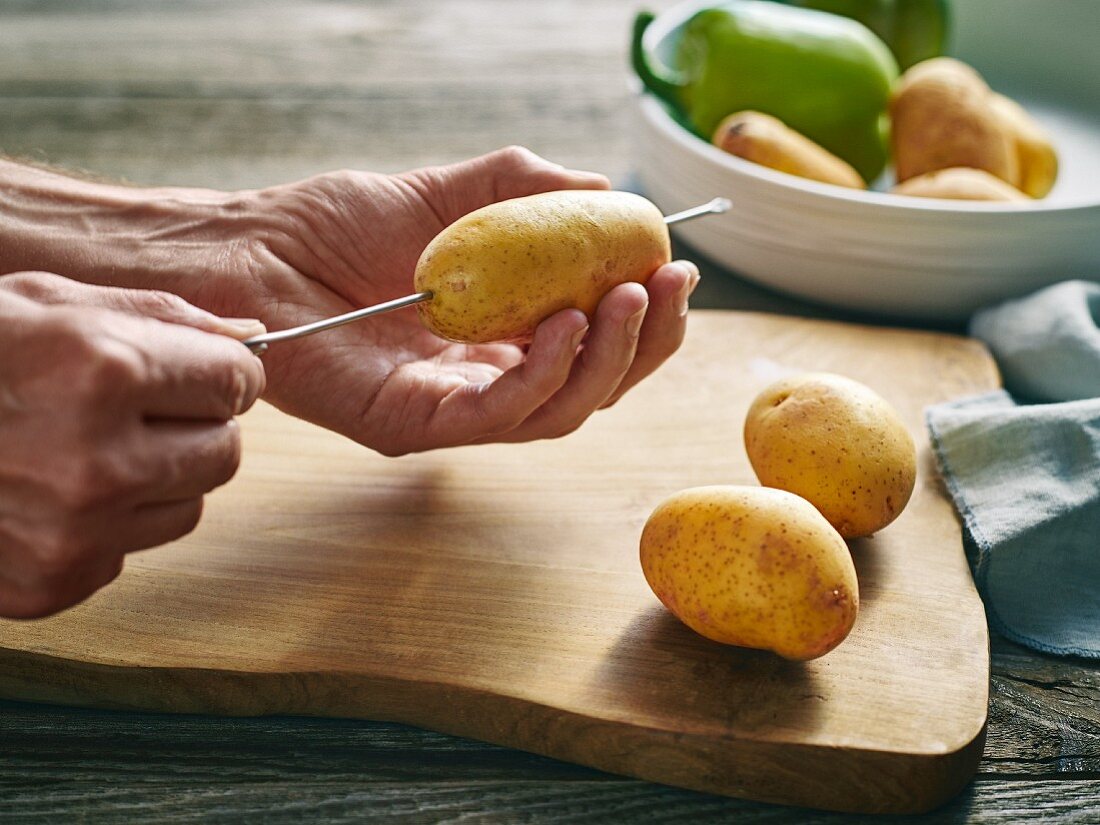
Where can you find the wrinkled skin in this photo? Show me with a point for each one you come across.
(349, 239)
(116, 418)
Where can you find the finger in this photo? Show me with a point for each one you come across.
(501, 356)
(193, 458)
(474, 411)
(606, 358)
(37, 286)
(511, 172)
(48, 567)
(48, 288)
(38, 599)
(30, 588)
(198, 375)
(665, 323)
(152, 525)
(164, 306)
(517, 171)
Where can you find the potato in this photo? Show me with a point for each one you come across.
(752, 566)
(500, 270)
(836, 443)
(1038, 160)
(945, 116)
(960, 184)
(942, 118)
(768, 141)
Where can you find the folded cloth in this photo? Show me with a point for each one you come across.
(1023, 468)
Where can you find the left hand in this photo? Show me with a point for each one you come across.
(349, 239)
(336, 242)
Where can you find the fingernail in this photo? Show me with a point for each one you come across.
(243, 327)
(685, 292)
(578, 336)
(689, 285)
(692, 271)
(634, 322)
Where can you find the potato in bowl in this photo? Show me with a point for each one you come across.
(921, 258)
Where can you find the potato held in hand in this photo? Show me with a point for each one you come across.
(496, 273)
(836, 443)
(753, 567)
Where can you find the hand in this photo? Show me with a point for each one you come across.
(351, 239)
(112, 428)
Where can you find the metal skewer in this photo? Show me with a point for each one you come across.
(259, 343)
(714, 207)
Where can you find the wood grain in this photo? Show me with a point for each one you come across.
(252, 93)
(82, 86)
(494, 592)
(285, 89)
(68, 763)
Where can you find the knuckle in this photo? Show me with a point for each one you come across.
(34, 285)
(229, 455)
(159, 302)
(56, 550)
(101, 371)
(331, 184)
(113, 368)
(517, 156)
(232, 387)
(94, 480)
(234, 377)
(493, 420)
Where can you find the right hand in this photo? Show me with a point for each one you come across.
(116, 417)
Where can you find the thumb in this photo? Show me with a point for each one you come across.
(511, 172)
(47, 288)
(516, 171)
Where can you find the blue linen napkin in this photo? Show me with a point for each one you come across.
(1023, 468)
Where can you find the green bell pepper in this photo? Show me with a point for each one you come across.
(825, 76)
(915, 30)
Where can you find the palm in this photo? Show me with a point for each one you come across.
(348, 240)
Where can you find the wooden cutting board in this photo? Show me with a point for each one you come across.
(495, 592)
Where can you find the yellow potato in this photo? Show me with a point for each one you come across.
(960, 184)
(768, 141)
(1038, 160)
(836, 443)
(499, 271)
(945, 116)
(753, 567)
(941, 118)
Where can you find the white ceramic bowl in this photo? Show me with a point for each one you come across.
(918, 258)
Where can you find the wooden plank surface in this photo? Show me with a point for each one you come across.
(90, 90)
(1043, 764)
(251, 93)
(495, 592)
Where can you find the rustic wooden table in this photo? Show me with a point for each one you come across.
(242, 94)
